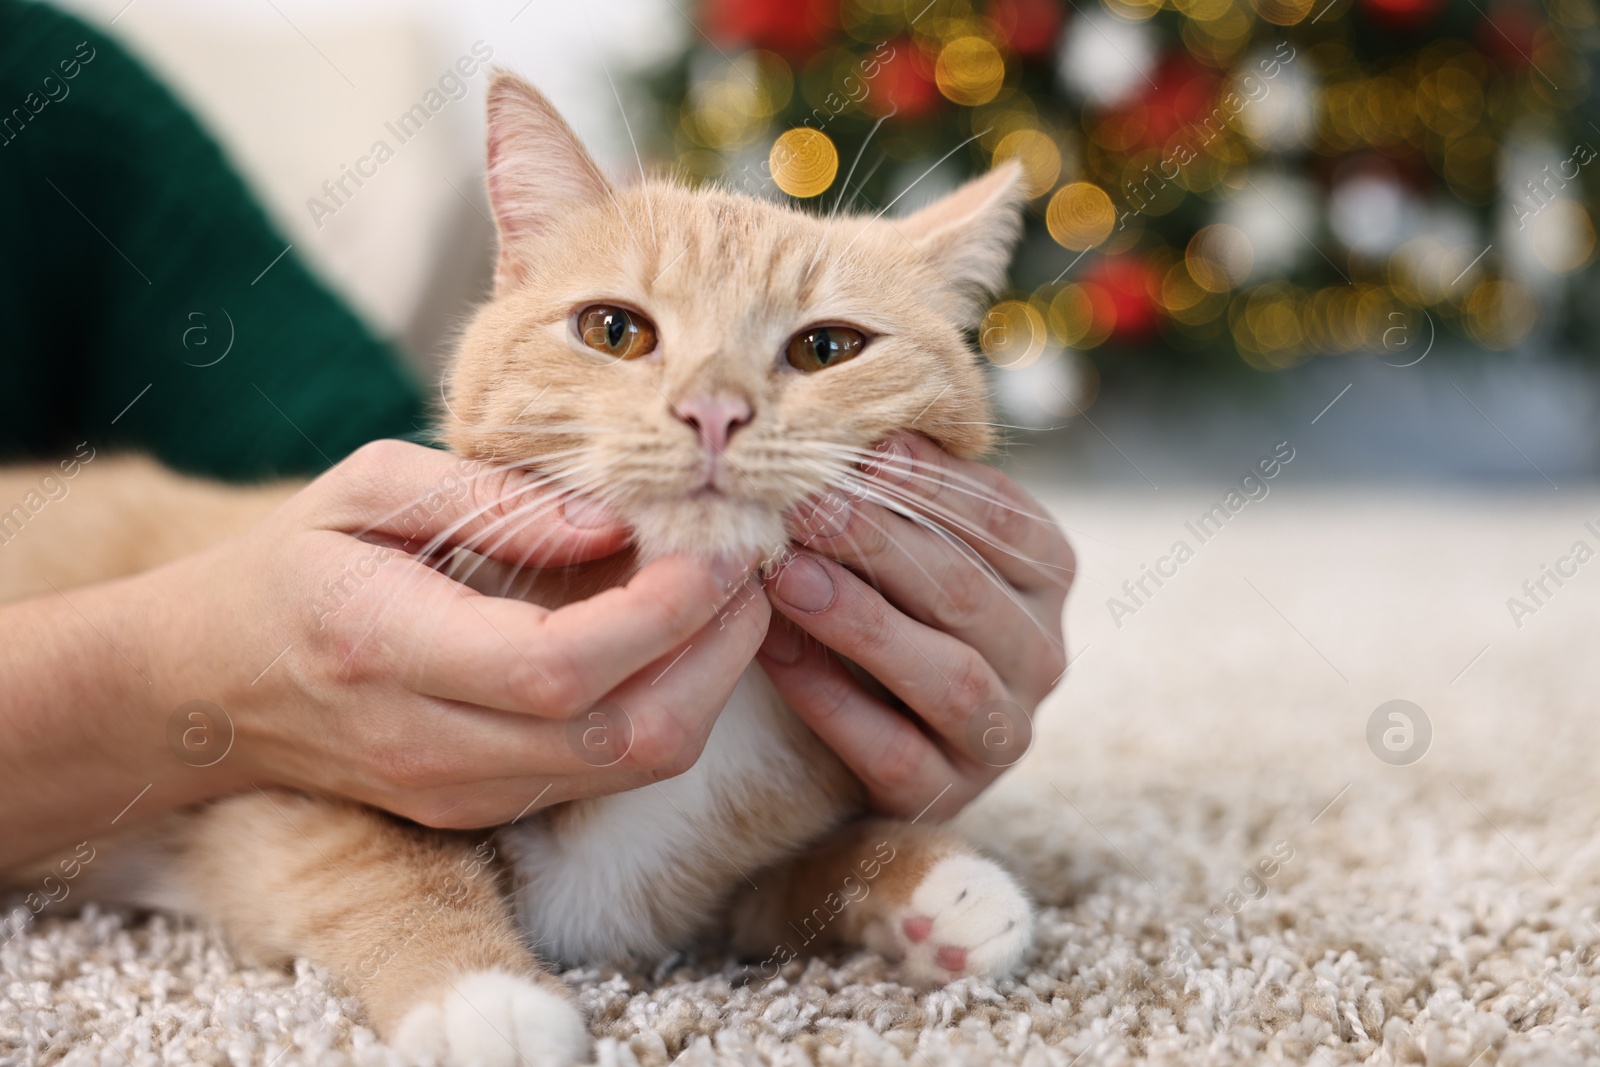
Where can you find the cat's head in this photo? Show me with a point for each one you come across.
(701, 361)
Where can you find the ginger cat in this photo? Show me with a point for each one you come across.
(701, 362)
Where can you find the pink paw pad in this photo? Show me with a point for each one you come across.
(917, 928)
(951, 958)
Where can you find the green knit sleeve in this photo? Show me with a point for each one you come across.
(146, 302)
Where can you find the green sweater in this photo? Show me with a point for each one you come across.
(132, 255)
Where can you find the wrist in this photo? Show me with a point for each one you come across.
(83, 749)
(172, 687)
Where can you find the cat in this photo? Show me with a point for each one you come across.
(703, 361)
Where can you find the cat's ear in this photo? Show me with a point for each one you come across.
(969, 235)
(538, 169)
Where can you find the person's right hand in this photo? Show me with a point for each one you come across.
(402, 688)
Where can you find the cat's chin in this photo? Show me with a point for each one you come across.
(706, 526)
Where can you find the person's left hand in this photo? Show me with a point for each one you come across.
(967, 636)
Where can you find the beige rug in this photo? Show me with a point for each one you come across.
(1229, 872)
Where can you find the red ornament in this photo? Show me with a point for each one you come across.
(1131, 282)
(901, 83)
(792, 28)
(1402, 14)
(1027, 27)
(1185, 94)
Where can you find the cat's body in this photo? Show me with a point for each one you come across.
(762, 837)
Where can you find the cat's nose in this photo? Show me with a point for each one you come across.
(714, 417)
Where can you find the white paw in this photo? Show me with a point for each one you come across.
(490, 1019)
(967, 916)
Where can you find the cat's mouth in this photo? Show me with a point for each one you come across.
(710, 518)
(717, 477)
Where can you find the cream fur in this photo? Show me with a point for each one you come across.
(726, 280)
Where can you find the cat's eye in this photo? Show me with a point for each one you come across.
(821, 347)
(616, 331)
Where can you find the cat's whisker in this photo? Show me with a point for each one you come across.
(431, 559)
(448, 563)
(843, 188)
(429, 553)
(1002, 426)
(961, 547)
(918, 181)
(504, 529)
(468, 562)
(955, 479)
(955, 522)
(974, 488)
(920, 509)
(644, 180)
(861, 186)
(484, 470)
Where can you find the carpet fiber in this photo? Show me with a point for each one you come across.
(1228, 871)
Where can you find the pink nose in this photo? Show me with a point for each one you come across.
(714, 418)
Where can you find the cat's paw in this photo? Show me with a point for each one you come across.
(490, 1019)
(967, 916)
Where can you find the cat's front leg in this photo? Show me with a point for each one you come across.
(918, 895)
(413, 922)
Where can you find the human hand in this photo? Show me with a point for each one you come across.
(402, 688)
(969, 652)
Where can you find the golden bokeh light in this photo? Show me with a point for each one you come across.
(1450, 100)
(1185, 300)
(1012, 334)
(1080, 216)
(1268, 327)
(969, 71)
(1039, 156)
(701, 165)
(1218, 42)
(1135, 10)
(1282, 12)
(1469, 167)
(1426, 270)
(734, 102)
(804, 162)
(1204, 10)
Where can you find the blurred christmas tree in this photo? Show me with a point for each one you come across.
(1216, 183)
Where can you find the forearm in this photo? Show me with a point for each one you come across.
(83, 722)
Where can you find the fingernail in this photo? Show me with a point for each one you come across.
(783, 644)
(893, 463)
(804, 584)
(828, 517)
(731, 571)
(586, 514)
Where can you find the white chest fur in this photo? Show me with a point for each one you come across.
(632, 874)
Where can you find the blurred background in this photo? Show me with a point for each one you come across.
(1363, 223)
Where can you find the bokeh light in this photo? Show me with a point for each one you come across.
(1082, 316)
(1080, 216)
(1219, 258)
(1012, 334)
(804, 162)
(1038, 155)
(970, 71)
(1273, 180)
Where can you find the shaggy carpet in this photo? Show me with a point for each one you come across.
(1239, 856)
